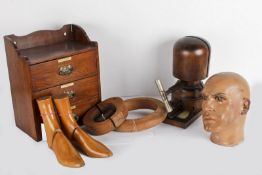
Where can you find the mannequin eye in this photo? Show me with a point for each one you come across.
(219, 98)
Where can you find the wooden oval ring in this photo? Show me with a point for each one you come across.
(112, 121)
(147, 121)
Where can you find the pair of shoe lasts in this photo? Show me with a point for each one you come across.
(65, 153)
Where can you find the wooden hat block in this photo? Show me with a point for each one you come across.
(190, 66)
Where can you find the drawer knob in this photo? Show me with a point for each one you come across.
(71, 94)
(66, 70)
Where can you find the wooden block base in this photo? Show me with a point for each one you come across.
(172, 119)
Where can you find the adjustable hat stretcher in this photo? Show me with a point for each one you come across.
(112, 113)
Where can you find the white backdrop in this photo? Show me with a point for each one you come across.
(135, 43)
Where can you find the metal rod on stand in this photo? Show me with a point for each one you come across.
(163, 96)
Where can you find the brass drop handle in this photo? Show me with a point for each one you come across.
(71, 94)
(66, 70)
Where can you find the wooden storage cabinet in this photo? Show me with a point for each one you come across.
(48, 62)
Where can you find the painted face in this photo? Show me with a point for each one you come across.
(221, 105)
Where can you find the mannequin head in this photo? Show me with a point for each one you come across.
(225, 105)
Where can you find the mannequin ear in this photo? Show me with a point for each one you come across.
(246, 104)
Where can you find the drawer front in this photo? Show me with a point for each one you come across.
(81, 107)
(83, 93)
(64, 70)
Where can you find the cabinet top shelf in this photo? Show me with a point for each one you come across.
(59, 50)
(45, 45)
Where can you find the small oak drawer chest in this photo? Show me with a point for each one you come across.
(51, 62)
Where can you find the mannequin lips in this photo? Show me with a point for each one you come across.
(207, 118)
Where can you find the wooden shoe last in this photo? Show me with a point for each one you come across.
(63, 149)
(88, 145)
